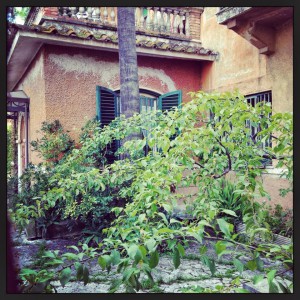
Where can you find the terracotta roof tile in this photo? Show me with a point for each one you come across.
(110, 36)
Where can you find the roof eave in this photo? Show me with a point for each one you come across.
(27, 43)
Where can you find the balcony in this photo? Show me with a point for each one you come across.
(160, 31)
(258, 25)
(159, 21)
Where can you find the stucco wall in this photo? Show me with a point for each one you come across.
(71, 77)
(272, 183)
(241, 66)
(33, 84)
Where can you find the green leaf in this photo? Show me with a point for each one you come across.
(132, 251)
(141, 218)
(239, 265)
(225, 227)
(127, 273)
(70, 256)
(164, 218)
(198, 237)
(104, 261)
(273, 287)
(203, 250)
(143, 251)
(210, 263)
(65, 276)
(259, 264)
(240, 290)
(283, 288)
(138, 256)
(115, 257)
(271, 276)
(115, 285)
(74, 247)
(171, 244)
(251, 265)
(220, 247)
(257, 278)
(79, 270)
(154, 258)
(180, 249)
(85, 276)
(150, 244)
(229, 212)
(176, 258)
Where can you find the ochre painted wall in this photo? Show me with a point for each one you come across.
(33, 84)
(71, 77)
(241, 66)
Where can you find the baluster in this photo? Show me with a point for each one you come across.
(168, 23)
(187, 24)
(73, 12)
(162, 26)
(105, 15)
(175, 14)
(155, 22)
(96, 14)
(65, 9)
(181, 13)
(80, 12)
(89, 12)
(149, 25)
(113, 16)
(142, 20)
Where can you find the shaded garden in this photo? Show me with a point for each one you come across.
(126, 212)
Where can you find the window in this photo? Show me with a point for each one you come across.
(108, 108)
(253, 99)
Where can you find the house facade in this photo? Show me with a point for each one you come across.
(62, 56)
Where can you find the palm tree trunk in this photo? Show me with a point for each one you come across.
(128, 61)
(129, 82)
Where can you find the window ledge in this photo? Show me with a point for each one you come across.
(274, 171)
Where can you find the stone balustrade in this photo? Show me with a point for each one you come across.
(170, 21)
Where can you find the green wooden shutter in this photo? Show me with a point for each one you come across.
(107, 109)
(169, 100)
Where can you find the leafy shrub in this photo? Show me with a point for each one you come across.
(54, 143)
(222, 144)
(229, 199)
(280, 220)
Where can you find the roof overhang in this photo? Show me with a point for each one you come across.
(27, 43)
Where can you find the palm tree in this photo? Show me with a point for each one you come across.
(129, 81)
(128, 61)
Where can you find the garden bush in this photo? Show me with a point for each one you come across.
(142, 186)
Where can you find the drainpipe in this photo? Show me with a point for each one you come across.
(26, 136)
(19, 142)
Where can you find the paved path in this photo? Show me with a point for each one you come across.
(191, 272)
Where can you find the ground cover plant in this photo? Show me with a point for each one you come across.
(131, 201)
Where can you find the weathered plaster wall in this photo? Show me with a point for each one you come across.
(33, 84)
(272, 183)
(241, 66)
(71, 77)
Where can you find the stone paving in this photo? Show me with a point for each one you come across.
(191, 272)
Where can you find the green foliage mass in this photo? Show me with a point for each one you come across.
(195, 145)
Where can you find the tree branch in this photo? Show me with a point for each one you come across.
(229, 161)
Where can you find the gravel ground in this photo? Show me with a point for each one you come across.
(191, 272)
